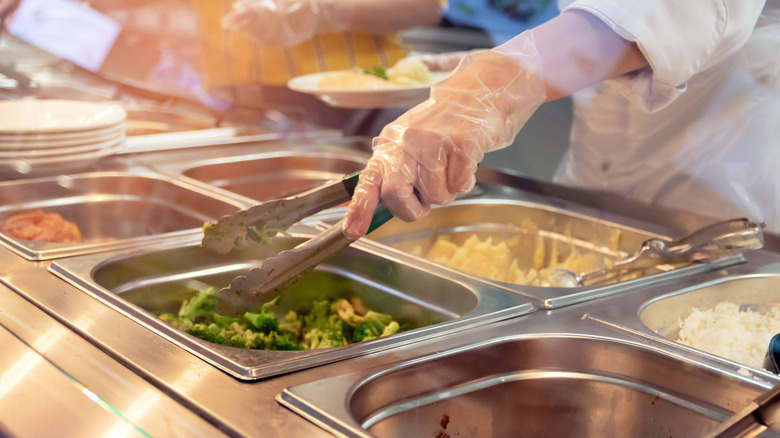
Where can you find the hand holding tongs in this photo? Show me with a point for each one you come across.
(259, 285)
(705, 245)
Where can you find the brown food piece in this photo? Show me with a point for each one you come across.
(41, 227)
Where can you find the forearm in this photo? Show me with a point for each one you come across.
(578, 50)
(381, 17)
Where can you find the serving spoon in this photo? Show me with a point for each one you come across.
(707, 244)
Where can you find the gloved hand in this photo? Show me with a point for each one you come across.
(441, 61)
(285, 23)
(430, 154)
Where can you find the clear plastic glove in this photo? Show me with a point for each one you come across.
(430, 154)
(446, 61)
(284, 23)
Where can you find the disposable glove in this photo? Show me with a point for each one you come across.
(430, 154)
(284, 23)
(441, 61)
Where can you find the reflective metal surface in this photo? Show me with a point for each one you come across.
(541, 234)
(146, 119)
(431, 304)
(273, 174)
(593, 369)
(48, 370)
(550, 385)
(662, 315)
(111, 209)
(592, 352)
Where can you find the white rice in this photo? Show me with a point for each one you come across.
(725, 331)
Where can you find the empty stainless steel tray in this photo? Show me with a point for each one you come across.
(111, 209)
(139, 282)
(536, 385)
(272, 174)
(146, 119)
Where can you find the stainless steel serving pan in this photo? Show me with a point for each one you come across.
(140, 282)
(548, 385)
(273, 173)
(656, 312)
(112, 209)
(531, 223)
(591, 369)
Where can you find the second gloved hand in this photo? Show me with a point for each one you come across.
(283, 23)
(430, 154)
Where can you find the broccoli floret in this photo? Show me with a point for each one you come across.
(390, 329)
(319, 315)
(199, 305)
(211, 332)
(291, 324)
(170, 318)
(346, 312)
(377, 320)
(247, 339)
(362, 333)
(224, 320)
(374, 325)
(265, 321)
(317, 338)
(282, 341)
(180, 323)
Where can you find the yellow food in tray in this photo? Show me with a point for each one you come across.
(497, 260)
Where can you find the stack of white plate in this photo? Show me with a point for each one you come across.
(46, 137)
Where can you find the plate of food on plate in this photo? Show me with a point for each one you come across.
(403, 85)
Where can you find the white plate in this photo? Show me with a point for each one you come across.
(46, 166)
(64, 151)
(28, 116)
(401, 97)
(22, 143)
(87, 134)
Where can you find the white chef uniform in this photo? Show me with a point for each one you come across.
(700, 129)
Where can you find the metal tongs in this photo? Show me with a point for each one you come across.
(713, 242)
(261, 284)
(260, 222)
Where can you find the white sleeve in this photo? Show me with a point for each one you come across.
(679, 38)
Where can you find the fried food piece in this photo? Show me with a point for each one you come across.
(41, 227)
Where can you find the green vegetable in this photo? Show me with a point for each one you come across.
(200, 305)
(375, 325)
(263, 235)
(264, 320)
(378, 71)
(330, 323)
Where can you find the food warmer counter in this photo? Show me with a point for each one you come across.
(478, 357)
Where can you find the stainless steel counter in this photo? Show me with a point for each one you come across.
(148, 383)
(55, 382)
